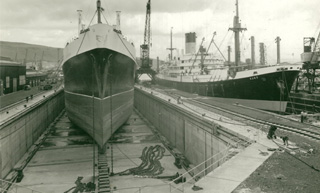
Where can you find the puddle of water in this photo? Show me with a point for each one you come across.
(61, 142)
(68, 133)
(119, 138)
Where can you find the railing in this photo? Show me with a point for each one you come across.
(23, 100)
(225, 153)
(25, 109)
(204, 170)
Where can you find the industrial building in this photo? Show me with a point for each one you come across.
(12, 76)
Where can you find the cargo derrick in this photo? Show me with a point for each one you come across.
(311, 60)
(146, 62)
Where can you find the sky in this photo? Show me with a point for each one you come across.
(55, 22)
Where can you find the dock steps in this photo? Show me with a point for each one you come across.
(103, 174)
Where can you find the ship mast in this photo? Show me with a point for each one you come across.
(237, 29)
(171, 48)
(99, 10)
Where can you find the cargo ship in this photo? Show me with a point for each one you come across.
(99, 68)
(263, 87)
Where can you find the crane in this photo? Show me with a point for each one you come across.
(145, 47)
(311, 59)
(146, 62)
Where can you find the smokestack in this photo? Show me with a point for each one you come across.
(278, 49)
(262, 54)
(229, 52)
(190, 43)
(253, 60)
(118, 19)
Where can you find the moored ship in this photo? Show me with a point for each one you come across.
(263, 87)
(99, 68)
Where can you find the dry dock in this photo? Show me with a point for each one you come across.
(67, 153)
(166, 141)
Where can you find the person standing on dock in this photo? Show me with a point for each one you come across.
(303, 116)
(271, 133)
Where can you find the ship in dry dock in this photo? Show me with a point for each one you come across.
(263, 87)
(99, 68)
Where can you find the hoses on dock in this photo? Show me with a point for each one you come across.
(150, 165)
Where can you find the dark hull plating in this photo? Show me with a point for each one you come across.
(99, 91)
(268, 87)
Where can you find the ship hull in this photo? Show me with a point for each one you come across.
(94, 115)
(266, 91)
(99, 91)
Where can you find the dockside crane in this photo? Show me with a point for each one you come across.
(146, 62)
(311, 59)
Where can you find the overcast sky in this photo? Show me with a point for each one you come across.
(54, 22)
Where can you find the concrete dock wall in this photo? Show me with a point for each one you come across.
(18, 134)
(188, 133)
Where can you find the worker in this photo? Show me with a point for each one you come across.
(79, 186)
(271, 133)
(179, 100)
(285, 140)
(302, 116)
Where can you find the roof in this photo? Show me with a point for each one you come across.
(35, 74)
(10, 63)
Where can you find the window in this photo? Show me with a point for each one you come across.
(22, 80)
(7, 81)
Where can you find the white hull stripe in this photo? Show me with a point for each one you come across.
(99, 98)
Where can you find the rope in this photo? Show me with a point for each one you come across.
(93, 130)
(222, 41)
(111, 124)
(134, 58)
(85, 33)
(126, 156)
(105, 18)
(292, 106)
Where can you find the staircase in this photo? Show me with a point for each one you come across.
(103, 177)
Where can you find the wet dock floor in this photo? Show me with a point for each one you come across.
(68, 153)
(127, 145)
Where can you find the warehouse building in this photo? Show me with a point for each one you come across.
(12, 76)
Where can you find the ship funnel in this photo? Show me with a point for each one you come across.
(253, 57)
(262, 53)
(118, 20)
(190, 43)
(278, 49)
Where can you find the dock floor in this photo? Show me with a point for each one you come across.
(68, 153)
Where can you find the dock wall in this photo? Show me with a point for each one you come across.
(18, 134)
(194, 137)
